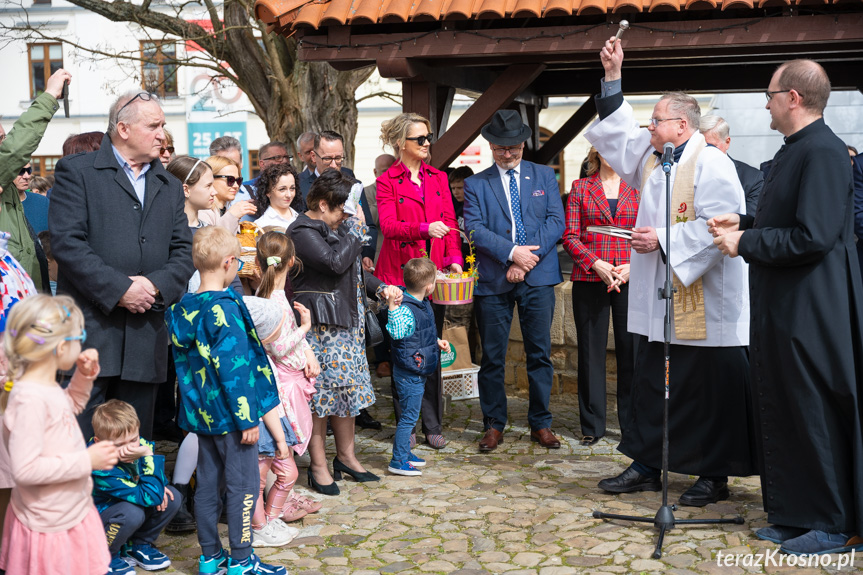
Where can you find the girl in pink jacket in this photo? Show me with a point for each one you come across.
(51, 517)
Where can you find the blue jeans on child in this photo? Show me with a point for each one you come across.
(410, 387)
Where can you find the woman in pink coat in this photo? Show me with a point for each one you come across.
(416, 217)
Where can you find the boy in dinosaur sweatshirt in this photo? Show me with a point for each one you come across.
(226, 387)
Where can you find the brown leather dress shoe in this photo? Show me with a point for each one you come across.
(491, 439)
(384, 369)
(545, 438)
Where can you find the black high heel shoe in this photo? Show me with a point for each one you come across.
(331, 489)
(339, 467)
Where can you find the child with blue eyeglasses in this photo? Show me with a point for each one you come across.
(52, 516)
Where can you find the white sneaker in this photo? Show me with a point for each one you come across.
(285, 528)
(270, 536)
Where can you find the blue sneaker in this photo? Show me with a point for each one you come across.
(416, 461)
(405, 468)
(119, 566)
(253, 566)
(215, 565)
(147, 557)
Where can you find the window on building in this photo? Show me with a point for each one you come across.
(254, 165)
(45, 59)
(556, 162)
(44, 165)
(42, 2)
(159, 67)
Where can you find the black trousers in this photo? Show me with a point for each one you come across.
(126, 521)
(431, 411)
(590, 306)
(166, 398)
(142, 396)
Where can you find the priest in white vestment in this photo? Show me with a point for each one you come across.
(710, 406)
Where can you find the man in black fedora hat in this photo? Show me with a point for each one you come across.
(514, 212)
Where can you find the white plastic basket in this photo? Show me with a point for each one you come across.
(461, 383)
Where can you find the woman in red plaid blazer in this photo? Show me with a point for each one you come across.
(599, 282)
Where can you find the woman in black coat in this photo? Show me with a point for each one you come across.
(328, 243)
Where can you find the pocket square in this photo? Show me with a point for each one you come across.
(539, 192)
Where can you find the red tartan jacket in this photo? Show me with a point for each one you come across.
(587, 206)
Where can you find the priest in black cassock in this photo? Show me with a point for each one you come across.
(806, 340)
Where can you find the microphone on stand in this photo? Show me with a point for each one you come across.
(667, 156)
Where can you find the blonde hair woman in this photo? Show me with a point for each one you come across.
(417, 217)
(227, 181)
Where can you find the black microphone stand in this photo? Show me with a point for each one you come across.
(664, 518)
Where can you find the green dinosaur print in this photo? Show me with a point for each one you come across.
(239, 362)
(203, 373)
(203, 350)
(251, 379)
(220, 316)
(216, 362)
(189, 317)
(213, 394)
(243, 413)
(175, 341)
(208, 419)
(267, 372)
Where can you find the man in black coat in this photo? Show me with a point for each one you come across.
(717, 133)
(857, 169)
(807, 324)
(124, 250)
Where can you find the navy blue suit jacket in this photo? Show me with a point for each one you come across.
(486, 214)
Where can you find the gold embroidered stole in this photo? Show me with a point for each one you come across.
(689, 321)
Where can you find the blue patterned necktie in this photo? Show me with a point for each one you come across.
(515, 205)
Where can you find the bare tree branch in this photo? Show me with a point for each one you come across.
(290, 96)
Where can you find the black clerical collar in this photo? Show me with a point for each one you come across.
(805, 130)
(678, 152)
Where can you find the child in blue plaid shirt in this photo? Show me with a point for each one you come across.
(415, 354)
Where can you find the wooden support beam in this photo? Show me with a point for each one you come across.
(472, 81)
(530, 116)
(510, 84)
(557, 43)
(416, 97)
(443, 99)
(697, 77)
(570, 129)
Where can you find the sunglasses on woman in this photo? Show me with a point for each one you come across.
(231, 180)
(421, 140)
(169, 149)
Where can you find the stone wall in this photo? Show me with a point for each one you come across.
(564, 350)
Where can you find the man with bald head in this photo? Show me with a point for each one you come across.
(807, 324)
(122, 243)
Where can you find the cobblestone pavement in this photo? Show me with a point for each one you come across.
(519, 510)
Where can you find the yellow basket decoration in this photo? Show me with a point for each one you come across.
(457, 288)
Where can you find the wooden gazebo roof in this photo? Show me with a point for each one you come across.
(518, 53)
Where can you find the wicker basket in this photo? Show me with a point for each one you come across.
(249, 257)
(453, 291)
(248, 237)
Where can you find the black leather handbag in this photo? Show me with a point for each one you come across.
(374, 333)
